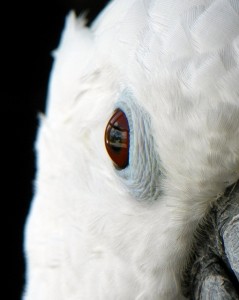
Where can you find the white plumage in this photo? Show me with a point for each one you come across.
(95, 232)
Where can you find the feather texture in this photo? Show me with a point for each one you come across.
(174, 67)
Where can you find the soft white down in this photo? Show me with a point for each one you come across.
(98, 233)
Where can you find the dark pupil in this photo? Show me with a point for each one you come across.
(116, 139)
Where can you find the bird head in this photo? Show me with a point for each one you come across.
(99, 229)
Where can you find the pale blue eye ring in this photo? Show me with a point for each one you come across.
(142, 176)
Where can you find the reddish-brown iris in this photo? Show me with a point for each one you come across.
(117, 139)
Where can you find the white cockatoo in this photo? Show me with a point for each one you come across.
(140, 137)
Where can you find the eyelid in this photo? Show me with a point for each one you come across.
(142, 177)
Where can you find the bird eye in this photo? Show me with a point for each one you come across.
(117, 139)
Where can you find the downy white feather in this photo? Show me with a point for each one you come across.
(90, 234)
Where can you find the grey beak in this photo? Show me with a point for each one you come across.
(213, 272)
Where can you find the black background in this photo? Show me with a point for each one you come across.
(29, 32)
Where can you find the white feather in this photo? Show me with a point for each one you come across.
(88, 235)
